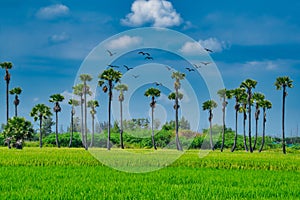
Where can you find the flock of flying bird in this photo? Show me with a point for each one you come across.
(147, 56)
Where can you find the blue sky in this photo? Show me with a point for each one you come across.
(47, 41)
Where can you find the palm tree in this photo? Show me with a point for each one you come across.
(249, 84)
(16, 91)
(223, 94)
(56, 98)
(85, 78)
(210, 105)
(73, 103)
(93, 104)
(7, 66)
(238, 94)
(108, 78)
(243, 109)
(121, 88)
(265, 104)
(283, 83)
(78, 90)
(178, 76)
(258, 98)
(40, 112)
(152, 92)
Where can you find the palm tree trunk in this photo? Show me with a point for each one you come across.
(152, 124)
(41, 139)
(244, 127)
(178, 144)
(7, 101)
(283, 110)
(256, 132)
(210, 127)
(249, 118)
(236, 131)
(71, 135)
(109, 113)
(121, 124)
(264, 128)
(81, 121)
(223, 130)
(56, 131)
(93, 132)
(85, 117)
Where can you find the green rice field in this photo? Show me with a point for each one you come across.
(51, 173)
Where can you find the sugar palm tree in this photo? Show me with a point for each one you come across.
(265, 104)
(73, 103)
(93, 104)
(56, 98)
(283, 83)
(78, 90)
(121, 88)
(178, 76)
(243, 109)
(16, 91)
(249, 84)
(7, 66)
(152, 92)
(238, 94)
(85, 78)
(223, 94)
(108, 79)
(40, 112)
(257, 98)
(210, 105)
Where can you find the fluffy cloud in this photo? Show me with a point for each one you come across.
(159, 13)
(59, 38)
(193, 48)
(267, 65)
(124, 42)
(53, 12)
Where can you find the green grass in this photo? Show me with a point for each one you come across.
(52, 173)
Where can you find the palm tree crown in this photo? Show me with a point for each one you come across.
(121, 88)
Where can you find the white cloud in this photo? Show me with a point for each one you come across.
(59, 38)
(193, 48)
(53, 12)
(36, 99)
(124, 42)
(267, 65)
(159, 13)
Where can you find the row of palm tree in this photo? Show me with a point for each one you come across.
(244, 100)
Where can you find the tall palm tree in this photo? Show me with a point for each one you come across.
(243, 109)
(85, 78)
(249, 84)
(238, 94)
(152, 92)
(108, 79)
(7, 66)
(257, 98)
(56, 98)
(73, 103)
(16, 91)
(121, 88)
(172, 96)
(265, 104)
(223, 94)
(210, 105)
(283, 83)
(178, 76)
(40, 112)
(78, 90)
(93, 104)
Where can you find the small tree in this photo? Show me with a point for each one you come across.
(16, 91)
(93, 104)
(210, 105)
(16, 130)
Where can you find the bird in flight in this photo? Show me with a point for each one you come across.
(197, 66)
(158, 84)
(113, 66)
(144, 53)
(135, 76)
(190, 69)
(208, 50)
(168, 68)
(110, 53)
(148, 58)
(205, 63)
(128, 68)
